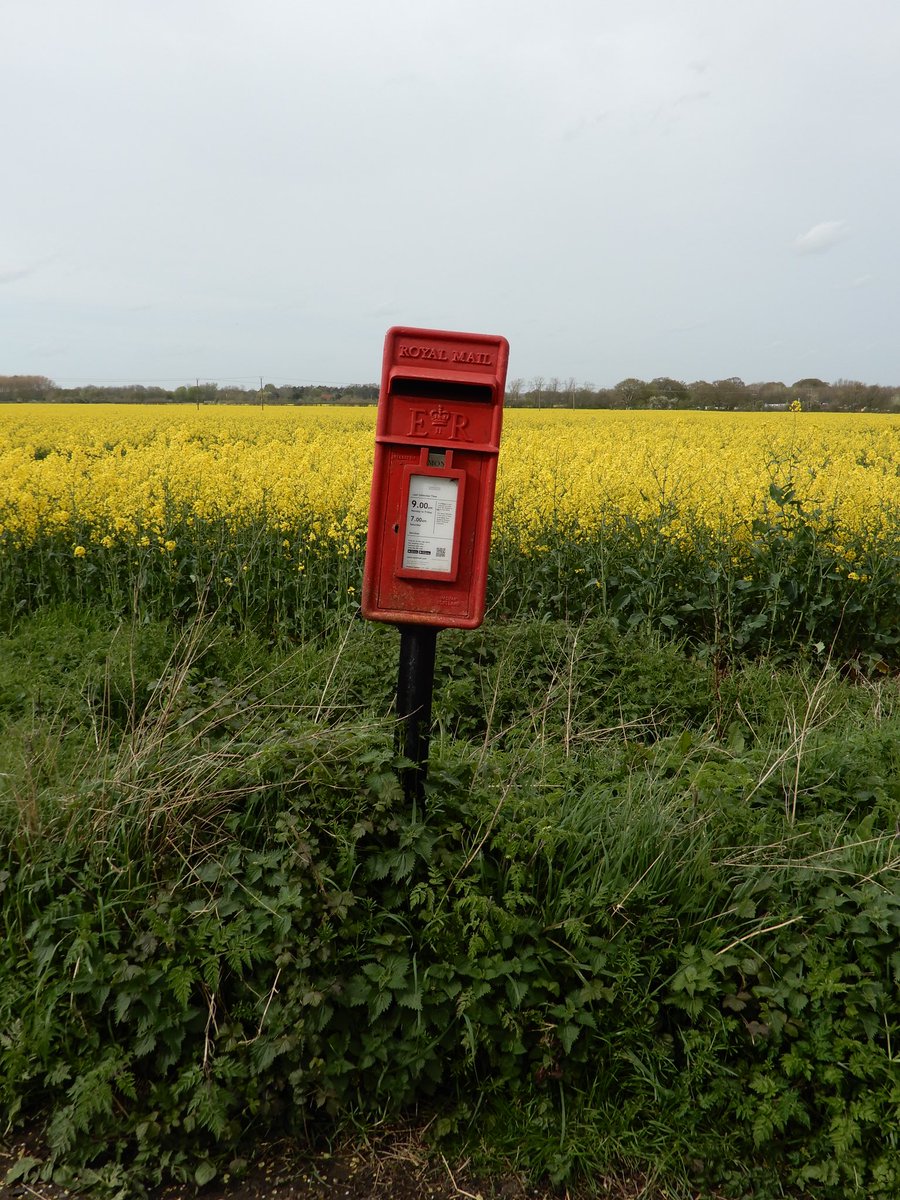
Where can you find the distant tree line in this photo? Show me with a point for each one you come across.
(38, 389)
(728, 395)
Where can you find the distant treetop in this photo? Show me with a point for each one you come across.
(731, 394)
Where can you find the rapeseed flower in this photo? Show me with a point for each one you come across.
(175, 474)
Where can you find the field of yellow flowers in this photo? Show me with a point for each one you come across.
(762, 529)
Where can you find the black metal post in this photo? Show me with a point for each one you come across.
(415, 685)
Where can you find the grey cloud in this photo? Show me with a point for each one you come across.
(691, 97)
(13, 274)
(821, 237)
(313, 173)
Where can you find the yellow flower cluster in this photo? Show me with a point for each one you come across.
(140, 474)
(685, 470)
(118, 473)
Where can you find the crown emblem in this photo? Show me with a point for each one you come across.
(439, 417)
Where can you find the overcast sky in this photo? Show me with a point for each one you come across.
(229, 189)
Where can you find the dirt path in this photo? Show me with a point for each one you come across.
(396, 1168)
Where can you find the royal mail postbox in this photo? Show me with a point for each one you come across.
(437, 438)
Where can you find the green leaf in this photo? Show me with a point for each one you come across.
(204, 1172)
(379, 1004)
(567, 1035)
(21, 1168)
(411, 999)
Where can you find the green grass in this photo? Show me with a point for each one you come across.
(647, 920)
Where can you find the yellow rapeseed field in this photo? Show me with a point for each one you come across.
(122, 473)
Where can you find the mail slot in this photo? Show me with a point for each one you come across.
(437, 437)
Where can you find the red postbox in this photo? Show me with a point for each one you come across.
(437, 438)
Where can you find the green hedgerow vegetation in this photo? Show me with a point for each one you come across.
(787, 593)
(647, 918)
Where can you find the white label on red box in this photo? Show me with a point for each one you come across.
(430, 522)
